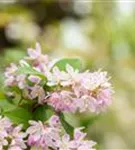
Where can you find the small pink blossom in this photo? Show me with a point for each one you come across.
(35, 54)
(77, 143)
(34, 79)
(10, 70)
(21, 81)
(10, 75)
(54, 121)
(10, 136)
(62, 101)
(42, 136)
(16, 135)
(37, 92)
(58, 77)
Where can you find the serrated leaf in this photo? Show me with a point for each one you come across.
(42, 113)
(68, 128)
(61, 64)
(30, 71)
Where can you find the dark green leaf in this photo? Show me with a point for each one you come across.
(43, 113)
(68, 128)
(75, 63)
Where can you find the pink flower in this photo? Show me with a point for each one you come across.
(35, 54)
(62, 101)
(94, 92)
(37, 92)
(42, 136)
(10, 70)
(21, 81)
(78, 142)
(34, 79)
(69, 90)
(17, 138)
(58, 77)
(64, 143)
(5, 125)
(54, 121)
(3, 142)
(10, 136)
(10, 75)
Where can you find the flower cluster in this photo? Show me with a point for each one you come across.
(51, 87)
(71, 90)
(48, 136)
(42, 136)
(11, 138)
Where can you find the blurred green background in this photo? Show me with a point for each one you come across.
(101, 33)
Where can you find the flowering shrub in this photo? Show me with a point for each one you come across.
(38, 92)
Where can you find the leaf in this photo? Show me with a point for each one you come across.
(43, 113)
(30, 71)
(2, 95)
(6, 106)
(68, 128)
(89, 121)
(61, 64)
(17, 115)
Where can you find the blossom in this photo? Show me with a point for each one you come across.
(95, 91)
(62, 101)
(77, 143)
(17, 136)
(42, 136)
(21, 81)
(65, 143)
(10, 136)
(5, 125)
(50, 135)
(34, 79)
(37, 56)
(12, 78)
(58, 77)
(85, 91)
(37, 92)
(54, 121)
(11, 70)
(34, 53)
(3, 142)
(10, 74)
(65, 90)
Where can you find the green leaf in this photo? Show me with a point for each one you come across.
(61, 64)
(68, 128)
(43, 113)
(30, 71)
(17, 115)
(2, 95)
(89, 121)
(6, 106)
